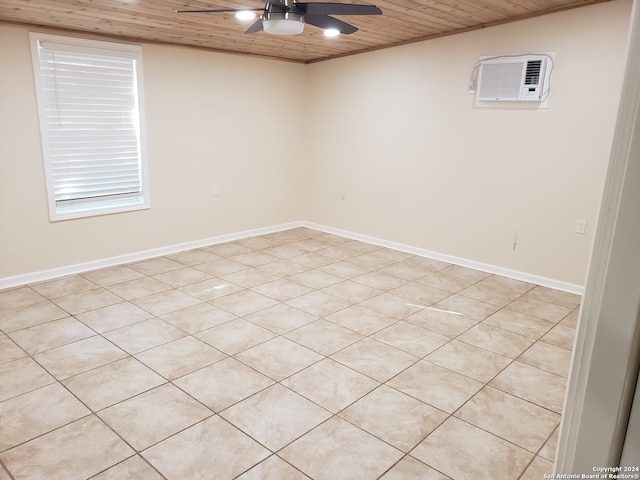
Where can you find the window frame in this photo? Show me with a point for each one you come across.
(104, 205)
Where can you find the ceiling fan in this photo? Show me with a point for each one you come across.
(288, 17)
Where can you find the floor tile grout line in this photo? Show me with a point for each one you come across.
(533, 454)
(525, 399)
(423, 358)
(537, 454)
(9, 335)
(518, 358)
(506, 393)
(485, 384)
(4, 469)
(59, 427)
(370, 336)
(270, 456)
(408, 453)
(262, 342)
(127, 459)
(74, 316)
(336, 414)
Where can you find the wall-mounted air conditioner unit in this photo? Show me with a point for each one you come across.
(513, 78)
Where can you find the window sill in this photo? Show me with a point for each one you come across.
(93, 209)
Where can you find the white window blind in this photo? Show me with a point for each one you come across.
(88, 95)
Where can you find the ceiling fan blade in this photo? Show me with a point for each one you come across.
(325, 21)
(224, 10)
(255, 28)
(322, 8)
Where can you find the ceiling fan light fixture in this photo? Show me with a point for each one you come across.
(331, 32)
(245, 15)
(283, 23)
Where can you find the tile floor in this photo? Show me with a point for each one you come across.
(293, 355)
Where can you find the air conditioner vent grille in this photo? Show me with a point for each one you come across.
(532, 74)
(513, 78)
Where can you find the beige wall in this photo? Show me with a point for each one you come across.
(400, 153)
(208, 117)
(395, 149)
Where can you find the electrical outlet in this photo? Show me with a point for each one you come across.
(215, 191)
(581, 226)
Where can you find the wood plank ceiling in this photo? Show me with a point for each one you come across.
(402, 21)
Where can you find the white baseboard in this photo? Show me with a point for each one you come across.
(43, 275)
(463, 262)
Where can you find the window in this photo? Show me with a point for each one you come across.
(91, 121)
